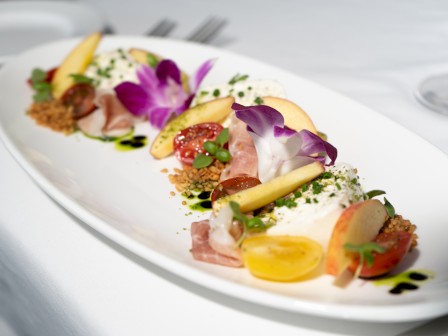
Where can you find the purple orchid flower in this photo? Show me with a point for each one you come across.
(160, 92)
(279, 148)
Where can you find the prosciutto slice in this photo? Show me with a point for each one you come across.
(202, 250)
(110, 119)
(241, 146)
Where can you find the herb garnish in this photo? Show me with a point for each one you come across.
(215, 149)
(365, 252)
(152, 60)
(253, 224)
(81, 79)
(238, 78)
(41, 87)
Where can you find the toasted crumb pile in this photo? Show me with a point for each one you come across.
(189, 178)
(53, 114)
(399, 224)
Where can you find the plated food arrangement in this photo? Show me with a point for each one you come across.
(275, 198)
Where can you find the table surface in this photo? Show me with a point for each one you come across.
(60, 277)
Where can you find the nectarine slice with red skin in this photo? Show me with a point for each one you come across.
(359, 223)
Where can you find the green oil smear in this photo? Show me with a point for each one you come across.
(406, 281)
(105, 138)
(199, 201)
(131, 143)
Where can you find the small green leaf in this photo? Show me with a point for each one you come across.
(223, 155)
(38, 75)
(152, 60)
(237, 212)
(389, 208)
(81, 79)
(202, 161)
(211, 147)
(373, 193)
(238, 78)
(223, 137)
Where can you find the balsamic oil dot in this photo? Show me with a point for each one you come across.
(204, 195)
(417, 276)
(206, 204)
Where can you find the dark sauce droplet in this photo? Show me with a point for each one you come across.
(204, 195)
(206, 204)
(126, 142)
(403, 286)
(137, 144)
(139, 137)
(417, 276)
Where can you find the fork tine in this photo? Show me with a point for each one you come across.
(162, 28)
(209, 29)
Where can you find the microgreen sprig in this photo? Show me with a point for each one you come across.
(82, 79)
(253, 224)
(365, 252)
(42, 88)
(389, 207)
(215, 149)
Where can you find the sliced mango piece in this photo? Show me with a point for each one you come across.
(213, 111)
(75, 63)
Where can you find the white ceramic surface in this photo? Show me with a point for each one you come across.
(25, 24)
(125, 196)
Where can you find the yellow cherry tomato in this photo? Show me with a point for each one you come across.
(281, 258)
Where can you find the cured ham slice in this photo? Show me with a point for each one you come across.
(241, 146)
(202, 250)
(110, 119)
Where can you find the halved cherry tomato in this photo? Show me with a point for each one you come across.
(80, 97)
(233, 185)
(281, 258)
(188, 142)
(48, 78)
(396, 244)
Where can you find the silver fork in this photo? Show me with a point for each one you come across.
(207, 30)
(162, 28)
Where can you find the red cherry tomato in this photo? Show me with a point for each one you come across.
(80, 97)
(397, 244)
(188, 142)
(233, 185)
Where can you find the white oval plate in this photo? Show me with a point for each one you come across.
(124, 195)
(25, 24)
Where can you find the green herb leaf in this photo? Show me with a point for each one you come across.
(152, 60)
(389, 208)
(365, 253)
(211, 147)
(373, 193)
(38, 75)
(238, 78)
(223, 155)
(258, 101)
(202, 161)
(81, 79)
(254, 224)
(223, 137)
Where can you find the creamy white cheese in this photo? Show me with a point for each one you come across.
(246, 92)
(315, 209)
(110, 68)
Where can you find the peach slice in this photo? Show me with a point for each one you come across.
(295, 117)
(75, 63)
(358, 224)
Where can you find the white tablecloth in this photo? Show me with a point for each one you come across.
(59, 277)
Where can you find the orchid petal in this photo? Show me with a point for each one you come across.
(313, 144)
(147, 77)
(159, 116)
(279, 148)
(260, 118)
(200, 73)
(133, 97)
(168, 69)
